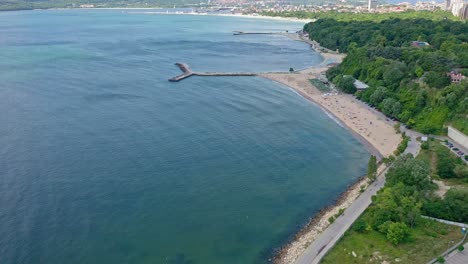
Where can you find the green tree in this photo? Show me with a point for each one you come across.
(345, 83)
(436, 79)
(360, 226)
(379, 94)
(397, 233)
(411, 172)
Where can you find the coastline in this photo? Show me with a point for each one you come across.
(291, 251)
(372, 130)
(292, 19)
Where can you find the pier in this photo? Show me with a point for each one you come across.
(187, 72)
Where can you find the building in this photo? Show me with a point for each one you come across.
(419, 44)
(371, 5)
(459, 8)
(360, 85)
(455, 76)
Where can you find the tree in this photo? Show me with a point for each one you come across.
(453, 207)
(372, 168)
(345, 83)
(440, 259)
(419, 71)
(360, 226)
(388, 106)
(379, 94)
(397, 233)
(436, 79)
(411, 172)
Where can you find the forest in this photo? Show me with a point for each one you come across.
(408, 83)
(375, 17)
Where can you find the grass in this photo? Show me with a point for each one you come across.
(428, 240)
(319, 85)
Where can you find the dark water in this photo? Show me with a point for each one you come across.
(104, 161)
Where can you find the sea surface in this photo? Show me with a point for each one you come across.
(102, 160)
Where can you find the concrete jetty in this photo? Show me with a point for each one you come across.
(187, 72)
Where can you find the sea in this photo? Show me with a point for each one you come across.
(102, 160)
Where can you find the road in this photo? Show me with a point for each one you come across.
(319, 247)
(458, 257)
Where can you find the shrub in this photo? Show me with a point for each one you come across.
(397, 232)
(461, 248)
(360, 226)
(331, 219)
(441, 259)
(425, 145)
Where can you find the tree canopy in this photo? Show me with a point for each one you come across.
(406, 82)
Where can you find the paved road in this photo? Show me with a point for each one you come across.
(319, 247)
(458, 257)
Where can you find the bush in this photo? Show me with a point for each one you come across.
(397, 233)
(441, 259)
(345, 83)
(453, 207)
(331, 219)
(425, 145)
(360, 226)
(461, 248)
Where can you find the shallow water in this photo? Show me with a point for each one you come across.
(104, 161)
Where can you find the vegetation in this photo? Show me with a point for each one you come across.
(425, 242)
(392, 226)
(454, 206)
(444, 163)
(372, 168)
(340, 16)
(319, 85)
(405, 82)
(403, 145)
(446, 166)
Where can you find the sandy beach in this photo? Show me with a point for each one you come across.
(376, 133)
(351, 112)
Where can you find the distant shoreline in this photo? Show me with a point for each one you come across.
(292, 19)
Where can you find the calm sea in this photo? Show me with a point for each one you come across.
(102, 160)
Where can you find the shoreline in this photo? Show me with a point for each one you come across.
(224, 15)
(292, 19)
(371, 130)
(290, 252)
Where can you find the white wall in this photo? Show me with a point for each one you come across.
(458, 137)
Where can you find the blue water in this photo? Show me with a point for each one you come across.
(102, 160)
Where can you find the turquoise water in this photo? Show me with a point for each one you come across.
(102, 160)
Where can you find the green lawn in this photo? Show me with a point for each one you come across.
(427, 241)
(319, 85)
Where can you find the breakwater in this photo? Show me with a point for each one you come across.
(187, 72)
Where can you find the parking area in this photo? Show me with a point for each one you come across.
(457, 149)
